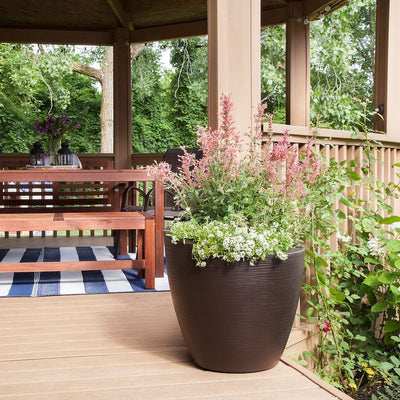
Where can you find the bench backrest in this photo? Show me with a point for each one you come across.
(40, 196)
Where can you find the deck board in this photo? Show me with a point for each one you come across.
(122, 346)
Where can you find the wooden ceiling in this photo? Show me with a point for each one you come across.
(147, 20)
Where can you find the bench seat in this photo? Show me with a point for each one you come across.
(141, 222)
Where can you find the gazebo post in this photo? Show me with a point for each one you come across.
(297, 67)
(234, 58)
(122, 99)
(387, 60)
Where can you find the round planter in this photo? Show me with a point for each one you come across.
(234, 317)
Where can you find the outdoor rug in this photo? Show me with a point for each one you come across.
(35, 284)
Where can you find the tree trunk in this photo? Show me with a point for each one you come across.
(105, 77)
(107, 104)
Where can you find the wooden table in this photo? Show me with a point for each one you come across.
(117, 178)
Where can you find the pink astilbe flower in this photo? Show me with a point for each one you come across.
(226, 118)
(289, 168)
(188, 161)
(258, 120)
(281, 149)
(222, 145)
(240, 181)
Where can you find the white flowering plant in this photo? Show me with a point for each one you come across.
(230, 241)
(243, 200)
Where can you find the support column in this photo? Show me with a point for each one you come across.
(122, 100)
(297, 67)
(387, 78)
(234, 58)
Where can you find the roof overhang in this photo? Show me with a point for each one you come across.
(94, 22)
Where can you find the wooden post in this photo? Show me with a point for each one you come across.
(234, 58)
(122, 100)
(387, 79)
(381, 62)
(297, 67)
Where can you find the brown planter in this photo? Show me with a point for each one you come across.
(236, 317)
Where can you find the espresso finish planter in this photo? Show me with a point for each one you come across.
(234, 317)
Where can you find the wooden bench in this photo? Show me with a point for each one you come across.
(143, 223)
(53, 214)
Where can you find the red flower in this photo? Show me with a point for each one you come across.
(326, 327)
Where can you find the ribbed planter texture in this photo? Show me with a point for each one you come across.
(234, 317)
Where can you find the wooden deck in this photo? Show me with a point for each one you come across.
(121, 346)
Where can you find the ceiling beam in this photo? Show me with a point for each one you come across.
(276, 16)
(50, 36)
(313, 9)
(168, 32)
(121, 13)
(101, 38)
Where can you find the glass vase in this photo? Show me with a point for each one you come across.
(53, 145)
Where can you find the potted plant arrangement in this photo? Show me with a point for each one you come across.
(235, 258)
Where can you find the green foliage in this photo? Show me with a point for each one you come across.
(342, 64)
(187, 93)
(14, 134)
(273, 74)
(85, 101)
(34, 84)
(151, 129)
(18, 81)
(356, 287)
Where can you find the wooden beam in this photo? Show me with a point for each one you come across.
(274, 17)
(50, 36)
(121, 13)
(168, 32)
(392, 114)
(297, 71)
(122, 99)
(313, 8)
(381, 62)
(234, 59)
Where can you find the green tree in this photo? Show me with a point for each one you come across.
(151, 129)
(85, 100)
(342, 65)
(342, 62)
(78, 97)
(187, 94)
(19, 79)
(273, 74)
(36, 81)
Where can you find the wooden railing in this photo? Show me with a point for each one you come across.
(143, 160)
(140, 160)
(342, 147)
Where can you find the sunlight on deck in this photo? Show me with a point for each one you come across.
(121, 346)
